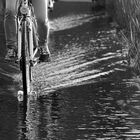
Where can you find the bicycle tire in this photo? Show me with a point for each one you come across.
(25, 62)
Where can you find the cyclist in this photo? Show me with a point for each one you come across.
(41, 12)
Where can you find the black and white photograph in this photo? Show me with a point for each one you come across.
(69, 69)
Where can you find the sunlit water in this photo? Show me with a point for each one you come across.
(92, 94)
(86, 92)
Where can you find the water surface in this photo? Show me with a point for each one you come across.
(86, 92)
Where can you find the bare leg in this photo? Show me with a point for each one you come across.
(10, 24)
(10, 29)
(41, 12)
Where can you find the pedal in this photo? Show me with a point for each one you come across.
(20, 96)
(32, 95)
(35, 61)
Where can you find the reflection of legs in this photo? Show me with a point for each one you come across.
(10, 27)
(41, 12)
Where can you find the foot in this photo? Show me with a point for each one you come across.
(44, 58)
(44, 55)
(11, 55)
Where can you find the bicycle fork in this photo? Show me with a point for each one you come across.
(30, 33)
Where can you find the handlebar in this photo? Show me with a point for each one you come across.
(24, 9)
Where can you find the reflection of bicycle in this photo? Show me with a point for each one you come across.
(27, 44)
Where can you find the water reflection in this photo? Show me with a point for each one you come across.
(107, 109)
(26, 117)
(22, 123)
(92, 94)
(39, 119)
(93, 111)
(97, 97)
(8, 116)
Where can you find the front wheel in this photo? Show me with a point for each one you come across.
(25, 62)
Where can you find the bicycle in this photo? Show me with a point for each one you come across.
(27, 44)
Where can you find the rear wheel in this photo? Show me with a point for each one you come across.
(25, 62)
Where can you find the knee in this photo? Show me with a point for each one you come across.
(44, 24)
(10, 13)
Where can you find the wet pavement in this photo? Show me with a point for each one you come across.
(86, 92)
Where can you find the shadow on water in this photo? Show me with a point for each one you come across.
(8, 116)
(38, 120)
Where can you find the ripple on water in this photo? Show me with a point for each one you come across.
(95, 99)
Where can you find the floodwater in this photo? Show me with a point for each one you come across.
(86, 92)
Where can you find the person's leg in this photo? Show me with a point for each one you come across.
(41, 12)
(10, 27)
(10, 24)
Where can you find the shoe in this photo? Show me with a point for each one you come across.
(44, 55)
(11, 55)
(44, 58)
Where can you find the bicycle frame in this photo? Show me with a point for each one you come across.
(25, 21)
(26, 16)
